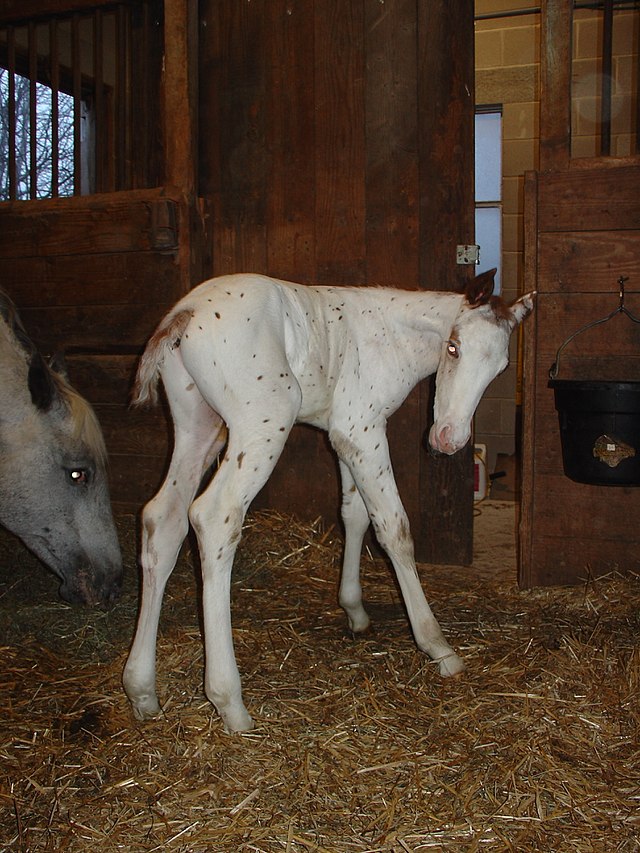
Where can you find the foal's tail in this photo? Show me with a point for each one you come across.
(165, 338)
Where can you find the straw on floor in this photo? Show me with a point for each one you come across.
(359, 744)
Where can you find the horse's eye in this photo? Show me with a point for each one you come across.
(79, 475)
(452, 349)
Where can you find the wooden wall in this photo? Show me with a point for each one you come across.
(582, 232)
(93, 279)
(336, 147)
(326, 141)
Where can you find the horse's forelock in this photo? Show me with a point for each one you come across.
(86, 426)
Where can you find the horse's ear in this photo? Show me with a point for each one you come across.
(522, 307)
(59, 365)
(41, 385)
(479, 290)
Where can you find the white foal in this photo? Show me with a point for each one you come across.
(258, 355)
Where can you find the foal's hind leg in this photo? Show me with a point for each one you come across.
(356, 521)
(217, 517)
(199, 436)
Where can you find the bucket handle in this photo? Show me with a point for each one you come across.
(621, 309)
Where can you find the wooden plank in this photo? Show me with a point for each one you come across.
(391, 111)
(590, 200)
(589, 261)
(606, 522)
(112, 222)
(339, 143)
(240, 155)
(132, 278)
(90, 326)
(13, 11)
(555, 83)
(562, 315)
(526, 516)
(559, 560)
(133, 480)
(179, 94)
(292, 116)
(392, 210)
(446, 193)
(305, 482)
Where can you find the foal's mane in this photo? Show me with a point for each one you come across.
(86, 427)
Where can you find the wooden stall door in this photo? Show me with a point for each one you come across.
(92, 277)
(93, 274)
(582, 233)
(336, 147)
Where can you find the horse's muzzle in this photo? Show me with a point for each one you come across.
(87, 587)
(443, 442)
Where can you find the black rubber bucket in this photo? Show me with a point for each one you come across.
(599, 431)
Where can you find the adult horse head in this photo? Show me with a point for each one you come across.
(475, 352)
(53, 485)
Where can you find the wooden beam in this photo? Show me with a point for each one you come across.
(446, 190)
(15, 11)
(180, 88)
(555, 84)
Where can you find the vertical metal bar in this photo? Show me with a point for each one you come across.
(11, 50)
(607, 79)
(121, 98)
(102, 184)
(637, 141)
(32, 49)
(76, 72)
(54, 66)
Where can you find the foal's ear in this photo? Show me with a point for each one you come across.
(522, 307)
(41, 384)
(479, 290)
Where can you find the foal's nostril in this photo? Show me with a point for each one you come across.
(444, 438)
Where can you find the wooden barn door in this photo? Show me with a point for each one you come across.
(336, 147)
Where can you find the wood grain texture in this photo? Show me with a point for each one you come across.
(446, 116)
(571, 531)
(313, 166)
(555, 83)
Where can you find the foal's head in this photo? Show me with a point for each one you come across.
(475, 352)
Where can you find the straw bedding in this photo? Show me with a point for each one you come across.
(359, 744)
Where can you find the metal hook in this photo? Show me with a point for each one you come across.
(621, 309)
(621, 282)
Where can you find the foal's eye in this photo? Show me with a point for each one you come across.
(452, 349)
(79, 475)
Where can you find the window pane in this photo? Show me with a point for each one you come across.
(489, 238)
(488, 156)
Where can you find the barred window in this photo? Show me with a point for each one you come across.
(78, 93)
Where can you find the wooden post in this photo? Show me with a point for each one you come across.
(446, 184)
(180, 88)
(555, 84)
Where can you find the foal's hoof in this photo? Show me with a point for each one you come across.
(237, 721)
(450, 665)
(146, 708)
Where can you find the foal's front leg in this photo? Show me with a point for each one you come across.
(370, 466)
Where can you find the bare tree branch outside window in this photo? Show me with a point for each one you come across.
(43, 141)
